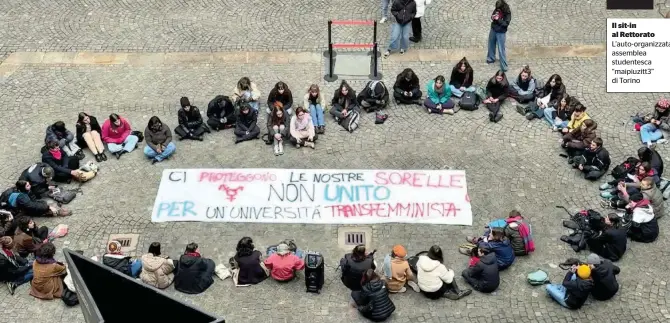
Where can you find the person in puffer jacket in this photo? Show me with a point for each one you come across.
(354, 265)
(434, 279)
(484, 276)
(644, 227)
(512, 233)
(501, 247)
(373, 300)
(157, 270)
(194, 273)
(115, 259)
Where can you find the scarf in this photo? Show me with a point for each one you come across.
(58, 154)
(524, 232)
(193, 254)
(45, 261)
(301, 125)
(473, 261)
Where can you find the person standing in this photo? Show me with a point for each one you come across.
(500, 20)
(416, 21)
(403, 11)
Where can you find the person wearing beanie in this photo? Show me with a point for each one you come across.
(14, 269)
(575, 289)
(283, 264)
(246, 125)
(116, 259)
(644, 226)
(603, 273)
(397, 271)
(191, 125)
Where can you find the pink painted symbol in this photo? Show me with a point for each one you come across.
(231, 192)
(467, 198)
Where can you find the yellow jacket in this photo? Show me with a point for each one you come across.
(576, 123)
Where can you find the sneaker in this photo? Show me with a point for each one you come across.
(413, 286)
(464, 293)
(520, 109)
(103, 156)
(383, 20)
(606, 186)
(449, 111)
(402, 290)
(281, 148)
(402, 51)
(554, 128)
(297, 146)
(661, 141)
(276, 149)
(606, 195)
(387, 54)
(530, 116)
(414, 39)
(63, 212)
(471, 239)
(12, 287)
(464, 251)
(606, 204)
(452, 296)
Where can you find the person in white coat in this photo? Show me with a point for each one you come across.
(416, 22)
(434, 279)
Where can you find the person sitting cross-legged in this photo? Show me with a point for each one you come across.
(462, 76)
(577, 119)
(89, 135)
(278, 127)
(247, 92)
(594, 162)
(246, 124)
(552, 91)
(194, 274)
(407, 89)
(438, 99)
(653, 130)
(484, 276)
(373, 97)
(283, 264)
(116, 259)
(65, 139)
(435, 280)
(221, 113)
(250, 267)
(191, 125)
(576, 142)
(496, 92)
(116, 133)
(523, 86)
(575, 289)
(159, 141)
(282, 94)
(302, 129)
(397, 271)
(157, 270)
(14, 269)
(344, 101)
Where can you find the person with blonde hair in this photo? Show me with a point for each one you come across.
(315, 103)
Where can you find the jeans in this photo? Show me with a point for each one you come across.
(136, 268)
(152, 154)
(399, 36)
(458, 93)
(28, 276)
(499, 40)
(650, 133)
(316, 111)
(549, 117)
(128, 145)
(558, 291)
(385, 8)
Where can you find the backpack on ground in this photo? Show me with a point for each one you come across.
(138, 134)
(469, 101)
(350, 123)
(625, 168)
(414, 259)
(538, 277)
(64, 196)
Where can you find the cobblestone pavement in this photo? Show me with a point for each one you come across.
(216, 25)
(512, 164)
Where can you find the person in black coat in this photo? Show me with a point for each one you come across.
(403, 11)
(462, 76)
(65, 168)
(646, 154)
(354, 265)
(89, 135)
(373, 300)
(14, 269)
(22, 201)
(594, 162)
(281, 93)
(249, 263)
(484, 276)
(191, 125)
(407, 89)
(608, 241)
(221, 113)
(344, 101)
(246, 126)
(575, 289)
(194, 274)
(496, 92)
(548, 97)
(39, 176)
(374, 97)
(603, 273)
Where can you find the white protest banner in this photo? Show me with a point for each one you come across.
(317, 196)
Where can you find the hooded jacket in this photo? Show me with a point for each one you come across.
(576, 291)
(80, 128)
(598, 159)
(503, 250)
(62, 137)
(500, 25)
(116, 135)
(247, 122)
(432, 274)
(25, 203)
(403, 11)
(512, 233)
(655, 197)
(459, 79)
(576, 123)
(605, 285)
(251, 272)
(162, 136)
(285, 98)
(374, 303)
(118, 262)
(379, 92)
(610, 243)
(400, 273)
(38, 184)
(157, 271)
(578, 139)
(190, 119)
(194, 274)
(220, 107)
(485, 274)
(402, 85)
(645, 226)
(353, 270)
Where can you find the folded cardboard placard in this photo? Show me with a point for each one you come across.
(107, 295)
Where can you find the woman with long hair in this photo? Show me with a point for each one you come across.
(159, 141)
(407, 89)
(315, 103)
(278, 127)
(462, 76)
(496, 92)
(282, 94)
(89, 135)
(500, 20)
(548, 97)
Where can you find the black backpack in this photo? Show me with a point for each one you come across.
(625, 168)
(350, 123)
(469, 101)
(414, 259)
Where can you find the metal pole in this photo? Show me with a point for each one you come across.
(374, 33)
(374, 57)
(330, 49)
(330, 31)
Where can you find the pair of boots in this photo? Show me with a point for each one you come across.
(279, 148)
(320, 130)
(495, 117)
(100, 157)
(455, 293)
(576, 239)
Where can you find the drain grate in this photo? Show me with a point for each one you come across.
(354, 238)
(125, 243)
(128, 241)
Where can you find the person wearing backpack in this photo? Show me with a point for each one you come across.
(354, 265)
(484, 276)
(603, 273)
(519, 234)
(496, 92)
(374, 97)
(439, 99)
(407, 89)
(462, 76)
(501, 247)
(575, 289)
(23, 201)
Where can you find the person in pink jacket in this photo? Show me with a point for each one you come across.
(283, 264)
(116, 134)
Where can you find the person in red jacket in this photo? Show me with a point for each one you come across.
(283, 264)
(116, 133)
